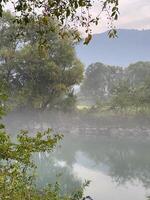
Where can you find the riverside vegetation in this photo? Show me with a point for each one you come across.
(22, 72)
(115, 89)
(44, 79)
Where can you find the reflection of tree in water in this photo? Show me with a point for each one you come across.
(50, 170)
(129, 162)
(127, 159)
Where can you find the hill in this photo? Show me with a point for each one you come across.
(130, 46)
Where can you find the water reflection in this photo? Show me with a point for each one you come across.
(115, 156)
(122, 159)
(116, 167)
(50, 170)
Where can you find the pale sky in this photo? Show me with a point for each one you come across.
(134, 14)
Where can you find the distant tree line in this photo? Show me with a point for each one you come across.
(121, 88)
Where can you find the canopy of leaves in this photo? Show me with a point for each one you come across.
(68, 13)
(17, 170)
(127, 88)
(17, 55)
(37, 78)
(99, 81)
(134, 89)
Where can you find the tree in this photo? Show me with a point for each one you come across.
(17, 169)
(129, 96)
(138, 72)
(99, 81)
(38, 79)
(122, 97)
(74, 13)
(142, 95)
(125, 88)
(17, 179)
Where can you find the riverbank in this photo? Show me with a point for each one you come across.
(79, 123)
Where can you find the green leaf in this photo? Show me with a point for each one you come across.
(2, 126)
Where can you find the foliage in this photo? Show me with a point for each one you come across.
(128, 97)
(74, 13)
(133, 91)
(17, 179)
(122, 95)
(137, 73)
(69, 102)
(17, 168)
(37, 79)
(99, 81)
(23, 70)
(117, 88)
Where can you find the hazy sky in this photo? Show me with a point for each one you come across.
(134, 14)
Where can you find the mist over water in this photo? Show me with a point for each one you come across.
(102, 110)
(111, 151)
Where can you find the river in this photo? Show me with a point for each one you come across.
(115, 159)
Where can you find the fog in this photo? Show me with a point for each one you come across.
(65, 122)
(111, 151)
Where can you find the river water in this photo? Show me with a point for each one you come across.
(116, 160)
(118, 168)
